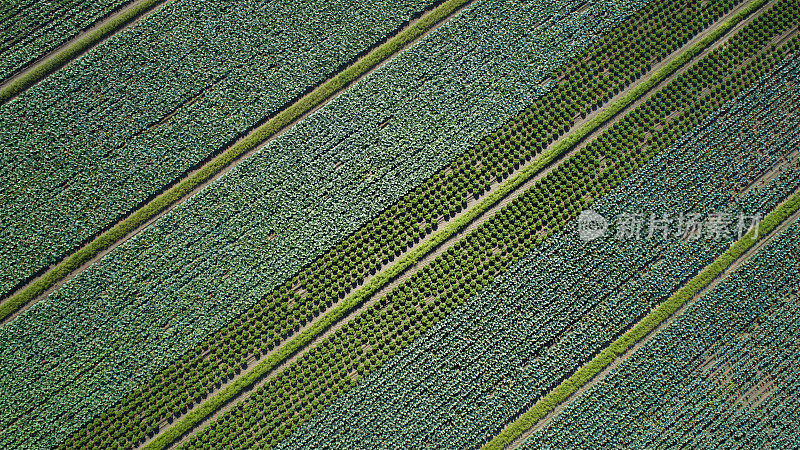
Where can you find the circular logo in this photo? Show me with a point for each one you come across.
(591, 225)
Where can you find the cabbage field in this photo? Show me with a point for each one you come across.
(331, 224)
(722, 374)
(140, 131)
(567, 300)
(31, 29)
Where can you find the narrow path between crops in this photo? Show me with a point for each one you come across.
(233, 164)
(431, 256)
(40, 62)
(625, 356)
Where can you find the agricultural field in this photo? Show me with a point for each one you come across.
(424, 224)
(31, 29)
(723, 373)
(594, 292)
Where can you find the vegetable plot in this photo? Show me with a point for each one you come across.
(531, 329)
(30, 29)
(165, 107)
(225, 249)
(724, 373)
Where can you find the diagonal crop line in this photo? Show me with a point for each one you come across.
(273, 126)
(358, 297)
(64, 56)
(644, 327)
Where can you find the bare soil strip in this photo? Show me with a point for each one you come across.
(474, 224)
(72, 49)
(625, 356)
(41, 286)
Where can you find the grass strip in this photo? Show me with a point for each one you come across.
(225, 159)
(643, 328)
(357, 298)
(69, 53)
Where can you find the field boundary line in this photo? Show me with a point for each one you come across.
(642, 329)
(410, 259)
(225, 160)
(75, 47)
